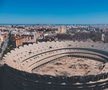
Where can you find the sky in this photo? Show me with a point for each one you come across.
(53, 11)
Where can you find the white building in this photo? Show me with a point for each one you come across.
(62, 30)
(103, 37)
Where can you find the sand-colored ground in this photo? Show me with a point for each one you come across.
(70, 66)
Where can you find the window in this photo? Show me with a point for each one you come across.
(69, 45)
(50, 47)
(30, 52)
(92, 45)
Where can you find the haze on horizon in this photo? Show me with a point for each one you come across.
(53, 11)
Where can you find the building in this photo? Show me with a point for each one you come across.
(62, 30)
(103, 37)
(1, 38)
(25, 38)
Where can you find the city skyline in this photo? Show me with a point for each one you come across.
(53, 12)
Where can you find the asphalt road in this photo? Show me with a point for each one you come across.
(3, 48)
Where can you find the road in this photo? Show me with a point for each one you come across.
(3, 48)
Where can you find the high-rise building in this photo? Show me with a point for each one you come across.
(62, 29)
(103, 37)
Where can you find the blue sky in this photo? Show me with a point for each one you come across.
(54, 11)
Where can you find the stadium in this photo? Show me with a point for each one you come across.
(60, 65)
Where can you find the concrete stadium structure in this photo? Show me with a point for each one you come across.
(20, 63)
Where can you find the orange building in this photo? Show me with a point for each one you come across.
(19, 40)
